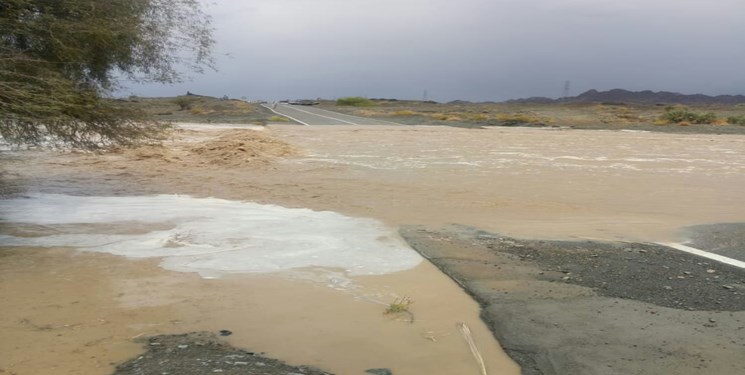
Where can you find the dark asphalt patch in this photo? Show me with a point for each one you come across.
(587, 308)
(644, 272)
(727, 239)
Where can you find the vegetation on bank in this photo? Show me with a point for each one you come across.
(652, 117)
(680, 114)
(736, 120)
(201, 109)
(60, 60)
(684, 116)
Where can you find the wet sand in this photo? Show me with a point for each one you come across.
(67, 312)
(520, 182)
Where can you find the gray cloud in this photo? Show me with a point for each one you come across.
(470, 49)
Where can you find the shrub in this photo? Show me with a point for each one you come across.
(679, 115)
(478, 117)
(184, 102)
(355, 101)
(736, 120)
(517, 118)
(404, 112)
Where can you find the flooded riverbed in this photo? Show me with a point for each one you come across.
(73, 312)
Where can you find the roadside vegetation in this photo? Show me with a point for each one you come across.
(355, 101)
(200, 109)
(605, 115)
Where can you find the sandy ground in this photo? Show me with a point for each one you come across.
(520, 182)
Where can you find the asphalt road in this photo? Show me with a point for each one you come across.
(312, 116)
(726, 239)
(589, 307)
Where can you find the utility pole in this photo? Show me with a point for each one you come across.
(424, 96)
(567, 86)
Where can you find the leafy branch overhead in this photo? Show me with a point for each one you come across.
(59, 59)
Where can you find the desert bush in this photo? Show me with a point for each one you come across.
(736, 120)
(184, 102)
(678, 115)
(355, 101)
(403, 113)
(440, 116)
(517, 118)
(478, 117)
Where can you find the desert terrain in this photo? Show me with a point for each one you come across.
(545, 240)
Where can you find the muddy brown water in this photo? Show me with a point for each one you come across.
(67, 312)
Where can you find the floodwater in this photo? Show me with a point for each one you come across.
(68, 311)
(539, 183)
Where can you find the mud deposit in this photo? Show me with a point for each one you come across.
(595, 307)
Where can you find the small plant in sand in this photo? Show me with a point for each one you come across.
(278, 119)
(400, 306)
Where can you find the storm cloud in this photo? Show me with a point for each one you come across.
(469, 49)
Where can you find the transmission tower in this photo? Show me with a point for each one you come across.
(567, 87)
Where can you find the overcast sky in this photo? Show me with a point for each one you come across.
(469, 49)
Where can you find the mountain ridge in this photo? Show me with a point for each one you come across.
(639, 97)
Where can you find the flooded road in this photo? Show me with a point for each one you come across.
(72, 312)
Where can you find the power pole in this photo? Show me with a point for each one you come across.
(567, 86)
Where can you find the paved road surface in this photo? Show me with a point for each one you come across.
(313, 116)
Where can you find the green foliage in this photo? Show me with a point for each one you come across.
(355, 101)
(399, 305)
(59, 59)
(184, 102)
(679, 115)
(278, 119)
(736, 120)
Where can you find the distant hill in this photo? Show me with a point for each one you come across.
(642, 97)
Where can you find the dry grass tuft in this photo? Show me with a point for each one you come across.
(404, 113)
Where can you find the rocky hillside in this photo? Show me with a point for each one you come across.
(642, 97)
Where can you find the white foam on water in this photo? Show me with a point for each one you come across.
(214, 237)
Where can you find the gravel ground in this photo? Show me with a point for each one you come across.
(597, 308)
(649, 273)
(203, 353)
